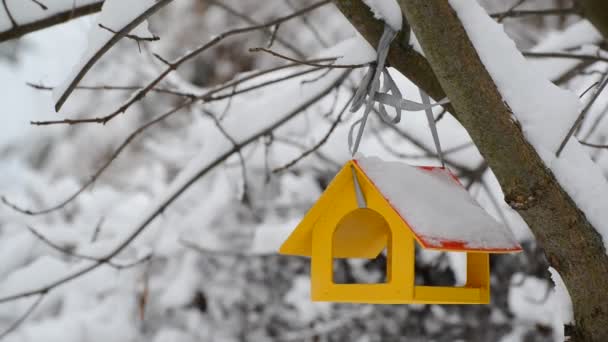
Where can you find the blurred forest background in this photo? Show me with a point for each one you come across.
(213, 274)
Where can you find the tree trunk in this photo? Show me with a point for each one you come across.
(573, 247)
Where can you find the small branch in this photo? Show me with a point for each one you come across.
(310, 26)
(588, 144)
(330, 66)
(97, 230)
(131, 36)
(543, 12)
(23, 317)
(247, 19)
(511, 9)
(43, 6)
(582, 115)
(218, 124)
(317, 145)
(68, 252)
(273, 37)
(118, 88)
(9, 14)
(593, 58)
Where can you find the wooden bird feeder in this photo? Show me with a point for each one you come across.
(404, 205)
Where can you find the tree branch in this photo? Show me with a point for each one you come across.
(51, 20)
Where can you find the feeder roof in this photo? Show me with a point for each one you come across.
(430, 201)
(438, 209)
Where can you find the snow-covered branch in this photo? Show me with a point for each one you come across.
(20, 17)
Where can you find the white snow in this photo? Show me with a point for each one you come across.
(564, 303)
(387, 11)
(115, 15)
(354, 50)
(545, 111)
(269, 236)
(534, 301)
(26, 12)
(580, 34)
(436, 206)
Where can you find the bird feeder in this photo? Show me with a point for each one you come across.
(403, 205)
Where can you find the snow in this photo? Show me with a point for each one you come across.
(564, 303)
(533, 301)
(299, 297)
(580, 34)
(437, 208)
(269, 236)
(354, 50)
(545, 111)
(115, 15)
(26, 12)
(387, 11)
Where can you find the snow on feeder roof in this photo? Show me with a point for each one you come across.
(437, 208)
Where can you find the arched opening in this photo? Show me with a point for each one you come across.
(359, 248)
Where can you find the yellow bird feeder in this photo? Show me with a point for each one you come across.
(403, 205)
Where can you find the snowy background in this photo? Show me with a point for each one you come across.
(206, 269)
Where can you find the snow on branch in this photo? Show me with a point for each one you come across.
(120, 17)
(20, 17)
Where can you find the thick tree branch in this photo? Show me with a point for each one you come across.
(560, 227)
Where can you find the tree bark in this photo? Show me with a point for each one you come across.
(573, 247)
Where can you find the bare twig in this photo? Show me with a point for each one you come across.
(319, 144)
(71, 253)
(218, 124)
(43, 6)
(247, 19)
(329, 66)
(23, 317)
(131, 36)
(588, 144)
(273, 37)
(117, 88)
(542, 12)
(9, 14)
(582, 115)
(511, 9)
(310, 26)
(586, 57)
(97, 230)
